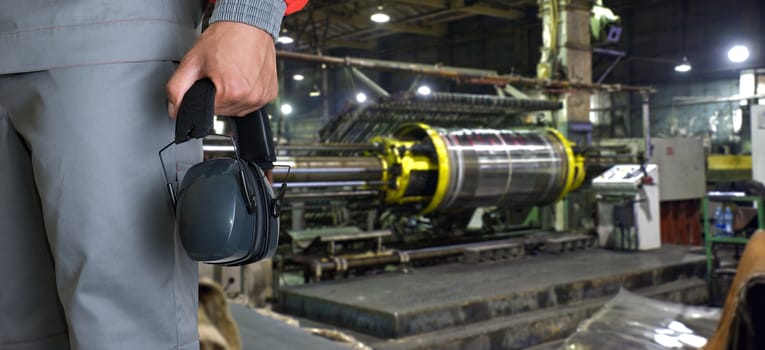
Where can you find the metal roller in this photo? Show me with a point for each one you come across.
(504, 168)
(480, 167)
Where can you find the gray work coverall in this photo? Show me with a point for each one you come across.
(88, 256)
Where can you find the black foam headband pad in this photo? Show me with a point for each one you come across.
(253, 131)
(195, 115)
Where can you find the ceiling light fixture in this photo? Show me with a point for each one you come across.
(379, 16)
(361, 97)
(286, 109)
(314, 92)
(738, 53)
(684, 66)
(285, 39)
(424, 90)
(298, 77)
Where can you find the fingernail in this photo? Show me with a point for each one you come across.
(171, 110)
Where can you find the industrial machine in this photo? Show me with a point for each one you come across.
(421, 169)
(411, 179)
(414, 180)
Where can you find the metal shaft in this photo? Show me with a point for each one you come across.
(330, 147)
(328, 169)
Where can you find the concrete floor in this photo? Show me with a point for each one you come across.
(259, 332)
(501, 305)
(440, 293)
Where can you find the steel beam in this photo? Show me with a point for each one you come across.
(366, 26)
(353, 44)
(459, 5)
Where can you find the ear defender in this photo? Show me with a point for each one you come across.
(226, 212)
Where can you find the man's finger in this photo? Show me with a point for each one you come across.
(187, 73)
(269, 175)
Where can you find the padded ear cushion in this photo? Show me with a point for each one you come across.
(273, 215)
(266, 222)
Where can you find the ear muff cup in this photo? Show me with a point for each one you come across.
(212, 218)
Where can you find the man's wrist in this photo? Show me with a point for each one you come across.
(264, 14)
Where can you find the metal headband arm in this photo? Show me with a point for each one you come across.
(245, 186)
(170, 189)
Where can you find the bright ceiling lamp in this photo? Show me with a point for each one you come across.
(738, 53)
(424, 90)
(286, 109)
(285, 39)
(379, 16)
(314, 92)
(298, 77)
(684, 66)
(361, 97)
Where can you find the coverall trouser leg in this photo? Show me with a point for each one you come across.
(88, 253)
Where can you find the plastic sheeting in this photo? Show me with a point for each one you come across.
(630, 321)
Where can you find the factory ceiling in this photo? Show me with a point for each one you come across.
(505, 35)
(327, 24)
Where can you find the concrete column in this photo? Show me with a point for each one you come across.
(567, 55)
(576, 57)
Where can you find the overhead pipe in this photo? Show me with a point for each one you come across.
(466, 75)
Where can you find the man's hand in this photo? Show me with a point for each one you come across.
(239, 59)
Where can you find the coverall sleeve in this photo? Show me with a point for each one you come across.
(264, 14)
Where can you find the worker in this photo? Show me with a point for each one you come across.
(88, 256)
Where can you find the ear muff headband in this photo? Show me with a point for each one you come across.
(246, 191)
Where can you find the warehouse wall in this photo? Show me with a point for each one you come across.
(620, 115)
(670, 119)
(655, 30)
